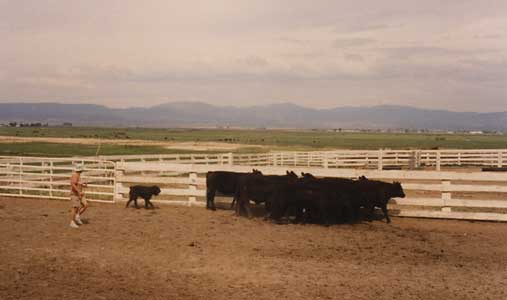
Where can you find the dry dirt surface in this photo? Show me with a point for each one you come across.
(200, 146)
(191, 253)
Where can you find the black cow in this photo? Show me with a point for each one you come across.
(339, 193)
(224, 182)
(313, 200)
(363, 193)
(259, 188)
(374, 193)
(145, 192)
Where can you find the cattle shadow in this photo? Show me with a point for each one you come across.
(258, 210)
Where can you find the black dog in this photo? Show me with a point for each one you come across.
(145, 192)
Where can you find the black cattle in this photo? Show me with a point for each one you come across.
(314, 200)
(259, 188)
(374, 193)
(340, 194)
(224, 182)
(362, 193)
(145, 192)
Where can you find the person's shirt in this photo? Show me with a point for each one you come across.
(75, 185)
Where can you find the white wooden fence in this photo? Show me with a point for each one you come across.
(453, 195)
(36, 177)
(369, 159)
(434, 194)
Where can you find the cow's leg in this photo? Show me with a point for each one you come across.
(237, 200)
(369, 208)
(277, 211)
(248, 209)
(300, 215)
(233, 202)
(267, 205)
(131, 198)
(151, 204)
(384, 210)
(135, 203)
(210, 199)
(146, 201)
(243, 203)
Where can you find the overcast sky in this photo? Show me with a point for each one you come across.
(432, 54)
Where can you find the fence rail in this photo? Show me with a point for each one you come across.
(50, 177)
(368, 159)
(486, 190)
(434, 194)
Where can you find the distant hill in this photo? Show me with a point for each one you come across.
(282, 115)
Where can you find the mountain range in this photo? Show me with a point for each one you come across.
(281, 115)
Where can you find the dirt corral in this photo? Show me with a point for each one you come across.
(191, 253)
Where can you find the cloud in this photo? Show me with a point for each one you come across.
(352, 42)
(321, 53)
(353, 57)
(254, 61)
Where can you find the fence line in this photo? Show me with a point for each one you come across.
(50, 177)
(368, 159)
(436, 194)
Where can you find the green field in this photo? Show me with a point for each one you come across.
(273, 139)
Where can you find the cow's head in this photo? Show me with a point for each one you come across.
(155, 190)
(397, 190)
(257, 172)
(291, 174)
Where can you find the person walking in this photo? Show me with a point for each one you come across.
(78, 202)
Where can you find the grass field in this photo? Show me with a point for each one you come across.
(271, 139)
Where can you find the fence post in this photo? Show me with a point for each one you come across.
(500, 160)
(380, 163)
(416, 159)
(325, 161)
(51, 179)
(231, 159)
(20, 175)
(412, 160)
(192, 186)
(437, 163)
(117, 183)
(446, 195)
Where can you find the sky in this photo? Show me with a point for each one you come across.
(431, 54)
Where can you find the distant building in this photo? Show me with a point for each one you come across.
(67, 124)
(476, 132)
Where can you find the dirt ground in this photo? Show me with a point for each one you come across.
(191, 253)
(199, 146)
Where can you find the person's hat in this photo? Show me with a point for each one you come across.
(79, 168)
